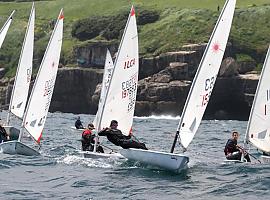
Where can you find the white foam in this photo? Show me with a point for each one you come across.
(169, 117)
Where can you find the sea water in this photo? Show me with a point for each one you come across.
(62, 173)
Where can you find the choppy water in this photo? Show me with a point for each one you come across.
(61, 173)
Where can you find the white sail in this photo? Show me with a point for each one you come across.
(258, 129)
(24, 71)
(108, 68)
(4, 30)
(121, 95)
(39, 101)
(206, 75)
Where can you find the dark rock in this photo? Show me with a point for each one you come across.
(245, 66)
(228, 68)
(2, 72)
(93, 53)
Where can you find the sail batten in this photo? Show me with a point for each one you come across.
(205, 77)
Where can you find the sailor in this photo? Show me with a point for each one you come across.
(88, 140)
(233, 151)
(116, 137)
(78, 123)
(3, 134)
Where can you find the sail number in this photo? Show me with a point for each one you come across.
(129, 63)
(209, 84)
(129, 89)
(48, 87)
(28, 74)
(48, 90)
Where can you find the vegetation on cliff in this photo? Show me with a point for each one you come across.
(163, 26)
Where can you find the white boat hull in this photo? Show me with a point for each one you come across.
(15, 147)
(233, 161)
(265, 159)
(12, 132)
(96, 155)
(76, 129)
(167, 161)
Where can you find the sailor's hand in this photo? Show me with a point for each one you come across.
(239, 146)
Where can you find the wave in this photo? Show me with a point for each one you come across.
(169, 117)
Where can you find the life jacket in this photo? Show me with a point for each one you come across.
(86, 132)
(226, 148)
(230, 147)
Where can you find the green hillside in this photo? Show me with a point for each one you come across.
(179, 22)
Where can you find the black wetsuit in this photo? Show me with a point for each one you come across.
(116, 137)
(78, 124)
(3, 134)
(232, 152)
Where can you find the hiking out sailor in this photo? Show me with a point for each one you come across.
(78, 123)
(233, 151)
(116, 137)
(3, 134)
(88, 140)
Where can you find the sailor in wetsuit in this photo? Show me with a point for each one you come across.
(88, 140)
(78, 123)
(116, 137)
(3, 134)
(232, 150)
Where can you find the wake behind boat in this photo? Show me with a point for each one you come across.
(198, 96)
(95, 155)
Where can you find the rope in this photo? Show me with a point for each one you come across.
(244, 151)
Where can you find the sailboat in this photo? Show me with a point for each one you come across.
(196, 101)
(23, 78)
(258, 128)
(4, 29)
(39, 101)
(120, 97)
(108, 68)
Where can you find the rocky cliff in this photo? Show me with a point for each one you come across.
(163, 87)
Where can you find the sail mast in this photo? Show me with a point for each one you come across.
(203, 80)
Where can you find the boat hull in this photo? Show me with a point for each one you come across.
(76, 129)
(15, 147)
(265, 159)
(12, 132)
(167, 161)
(233, 161)
(96, 155)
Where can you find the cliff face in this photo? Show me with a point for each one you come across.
(163, 87)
